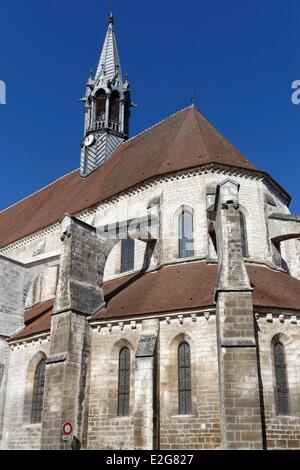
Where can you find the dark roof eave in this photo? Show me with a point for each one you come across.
(18, 338)
(92, 320)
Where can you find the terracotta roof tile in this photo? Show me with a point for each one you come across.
(174, 288)
(37, 310)
(274, 289)
(183, 141)
(191, 285)
(171, 288)
(37, 320)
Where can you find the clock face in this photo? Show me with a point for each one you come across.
(89, 140)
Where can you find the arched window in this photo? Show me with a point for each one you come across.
(127, 255)
(244, 235)
(115, 107)
(277, 253)
(186, 234)
(124, 382)
(213, 239)
(38, 392)
(100, 105)
(282, 392)
(44, 287)
(184, 379)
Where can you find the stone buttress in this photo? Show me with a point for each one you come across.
(237, 348)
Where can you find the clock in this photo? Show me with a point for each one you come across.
(89, 140)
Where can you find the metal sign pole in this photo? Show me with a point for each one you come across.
(65, 444)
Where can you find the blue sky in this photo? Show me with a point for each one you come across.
(240, 58)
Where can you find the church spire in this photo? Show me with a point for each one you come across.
(107, 107)
(109, 63)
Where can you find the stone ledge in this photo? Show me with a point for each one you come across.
(238, 343)
(56, 358)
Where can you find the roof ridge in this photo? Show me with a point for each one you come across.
(201, 132)
(37, 191)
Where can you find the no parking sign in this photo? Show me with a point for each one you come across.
(67, 428)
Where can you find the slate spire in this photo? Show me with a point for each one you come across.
(109, 63)
(107, 107)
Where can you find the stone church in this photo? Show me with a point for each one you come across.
(150, 298)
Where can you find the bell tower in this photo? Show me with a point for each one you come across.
(107, 107)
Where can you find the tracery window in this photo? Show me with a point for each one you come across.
(38, 392)
(124, 382)
(244, 235)
(213, 239)
(127, 255)
(277, 253)
(186, 234)
(184, 379)
(282, 391)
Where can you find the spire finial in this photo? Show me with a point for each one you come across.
(110, 19)
(193, 100)
(111, 16)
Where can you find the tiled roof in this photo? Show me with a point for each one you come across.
(174, 288)
(37, 320)
(183, 141)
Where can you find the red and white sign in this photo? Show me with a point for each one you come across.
(67, 428)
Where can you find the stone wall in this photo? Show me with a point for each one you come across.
(44, 287)
(282, 432)
(18, 432)
(12, 296)
(106, 429)
(4, 365)
(201, 429)
(15, 280)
